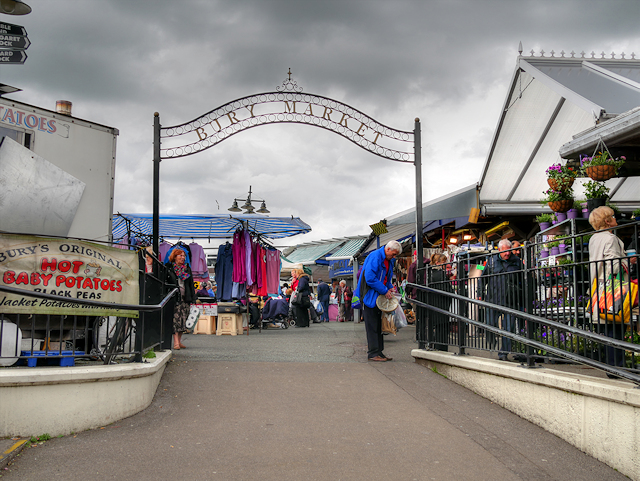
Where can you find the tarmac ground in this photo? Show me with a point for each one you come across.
(305, 404)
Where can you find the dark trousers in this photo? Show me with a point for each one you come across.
(325, 310)
(302, 315)
(373, 326)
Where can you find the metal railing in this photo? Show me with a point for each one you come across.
(60, 339)
(540, 310)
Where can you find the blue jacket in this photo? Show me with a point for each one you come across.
(324, 292)
(373, 273)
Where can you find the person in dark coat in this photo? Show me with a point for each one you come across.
(503, 278)
(438, 322)
(304, 301)
(324, 294)
(179, 275)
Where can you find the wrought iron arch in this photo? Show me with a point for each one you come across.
(287, 105)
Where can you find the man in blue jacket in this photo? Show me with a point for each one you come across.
(374, 281)
(324, 294)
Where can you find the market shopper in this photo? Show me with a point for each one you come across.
(304, 300)
(376, 280)
(438, 322)
(343, 296)
(179, 275)
(502, 277)
(324, 294)
(607, 258)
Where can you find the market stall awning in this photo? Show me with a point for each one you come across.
(219, 226)
(349, 249)
(309, 254)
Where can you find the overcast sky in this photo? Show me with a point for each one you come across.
(447, 62)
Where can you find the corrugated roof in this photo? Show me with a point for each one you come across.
(397, 232)
(219, 226)
(348, 250)
(309, 254)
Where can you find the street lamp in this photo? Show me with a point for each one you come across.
(14, 7)
(249, 208)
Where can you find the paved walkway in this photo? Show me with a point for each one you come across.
(304, 404)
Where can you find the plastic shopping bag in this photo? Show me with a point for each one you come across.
(387, 323)
(399, 319)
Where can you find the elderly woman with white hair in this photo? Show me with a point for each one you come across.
(343, 296)
(375, 280)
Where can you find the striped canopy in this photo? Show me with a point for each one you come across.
(219, 226)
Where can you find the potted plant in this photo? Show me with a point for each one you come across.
(575, 211)
(601, 166)
(635, 215)
(560, 177)
(544, 221)
(558, 200)
(554, 250)
(596, 194)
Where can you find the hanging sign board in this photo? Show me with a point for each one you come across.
(69, 268)
(340, 268)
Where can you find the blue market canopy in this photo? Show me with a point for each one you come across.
(219, 226)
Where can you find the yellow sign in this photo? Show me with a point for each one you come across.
(69, 268)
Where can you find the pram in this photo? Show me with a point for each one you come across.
(275, 313)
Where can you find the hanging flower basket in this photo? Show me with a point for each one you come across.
(561, 184)
(561, 205)
(601, 172)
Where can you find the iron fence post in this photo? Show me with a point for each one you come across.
(156, 182)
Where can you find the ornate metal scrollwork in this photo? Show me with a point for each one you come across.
(286, 107)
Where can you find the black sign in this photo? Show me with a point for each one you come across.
(12, 56)
(11, 29)
(19, 42)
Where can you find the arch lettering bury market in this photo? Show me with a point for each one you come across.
(286, 105)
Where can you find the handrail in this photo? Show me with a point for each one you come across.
(530, 342)
(110, 305)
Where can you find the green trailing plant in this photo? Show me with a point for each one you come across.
(543, 218)
(601, 158)
(636, 214)
(564, 260)
(579, 204)
(595, 190)
(551, 195)
(553, 243)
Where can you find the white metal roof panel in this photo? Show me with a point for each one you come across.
(534, 181)
(525, 120)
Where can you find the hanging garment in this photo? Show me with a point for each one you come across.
(262, 271)
(164, 249)
(239, 262)
(249, 263)
(224, 272)
(273, 271)
(199, 263)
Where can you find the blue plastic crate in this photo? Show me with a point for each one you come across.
(68, 358)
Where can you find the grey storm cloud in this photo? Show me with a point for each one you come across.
(447, 62)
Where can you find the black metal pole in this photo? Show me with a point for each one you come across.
(156, 183)
(417, 148)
